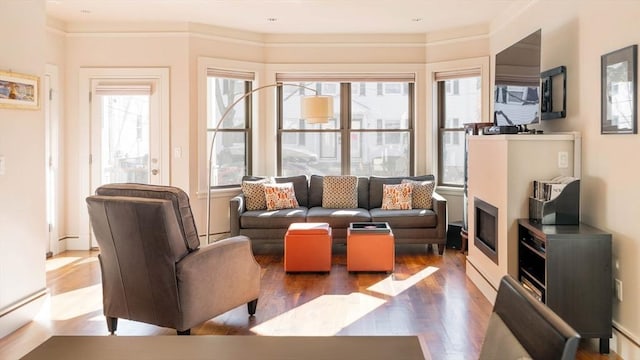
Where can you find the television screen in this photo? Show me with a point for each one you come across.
(517, 83)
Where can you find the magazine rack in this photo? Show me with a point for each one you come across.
(562, 210)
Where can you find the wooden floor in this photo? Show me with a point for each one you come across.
(427, 295)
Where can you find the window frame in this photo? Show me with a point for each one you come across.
(455, 68)
(207, 66)
(246, 130)
(442, 92)
(344, 129)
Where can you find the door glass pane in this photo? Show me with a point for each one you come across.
(125, 139)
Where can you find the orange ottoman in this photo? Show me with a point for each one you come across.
(307, 247)
(370, 247)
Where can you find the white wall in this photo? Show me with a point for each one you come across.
(179, 46)
(22, 187)
(576, 34)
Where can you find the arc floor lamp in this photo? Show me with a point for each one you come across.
(315, 109)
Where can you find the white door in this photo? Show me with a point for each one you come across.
(125, 146)
(128, 128)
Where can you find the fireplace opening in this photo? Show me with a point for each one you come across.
(486, 228)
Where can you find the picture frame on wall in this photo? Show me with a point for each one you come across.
(619, 91)
(19, 91)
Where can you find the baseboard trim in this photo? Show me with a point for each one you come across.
(24, 301)
(21, 312)
(625, 343)
(480, 281)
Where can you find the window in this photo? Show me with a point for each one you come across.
(459, 102)
(371, 132)
(231, 157)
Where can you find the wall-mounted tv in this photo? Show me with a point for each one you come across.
(517, 83)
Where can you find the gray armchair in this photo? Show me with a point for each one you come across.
(153, 268)
(521, 327)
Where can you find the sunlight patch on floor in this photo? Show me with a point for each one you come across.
(391, 287)
(322, 316)
(57, 263)
(76, 303)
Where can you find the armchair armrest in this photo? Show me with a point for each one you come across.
(440, 208)
(236, 208)
(216, 278)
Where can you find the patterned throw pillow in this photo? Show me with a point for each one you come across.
(396, 197)
(280, 196)
(340, 192)
(422, 193)
(254, 194)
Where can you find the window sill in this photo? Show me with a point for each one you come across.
(449, 190)
(219, 193)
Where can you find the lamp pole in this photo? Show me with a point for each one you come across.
(216, 130)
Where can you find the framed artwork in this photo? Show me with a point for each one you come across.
(19, 91)
(619, 91)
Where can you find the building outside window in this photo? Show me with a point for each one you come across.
(371, 132)
(232, 149)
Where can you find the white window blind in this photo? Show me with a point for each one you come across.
(231, 74)
(346, 77)
(123, 89)
(457, 74)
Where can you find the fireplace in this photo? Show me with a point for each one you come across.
(486, 228)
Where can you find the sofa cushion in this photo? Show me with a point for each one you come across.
(280, 196)
(396, 197)
(278, 219)
(340, 192)
(338, 218)
(254, 194)
(422, 193)
(315, 191)
(376, 182)
(414, 218)
(300, 185)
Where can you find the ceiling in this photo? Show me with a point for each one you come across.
(294, 16)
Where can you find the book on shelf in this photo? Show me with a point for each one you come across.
(550, 189)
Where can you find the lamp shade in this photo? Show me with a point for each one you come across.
(317, 109)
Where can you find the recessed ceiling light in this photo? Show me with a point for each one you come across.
(416, 19)
(272, 19)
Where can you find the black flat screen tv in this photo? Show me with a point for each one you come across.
(517, 83)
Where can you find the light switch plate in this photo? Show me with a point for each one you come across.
(563, 159)
(2, 165)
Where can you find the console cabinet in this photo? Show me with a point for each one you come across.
(568, 267)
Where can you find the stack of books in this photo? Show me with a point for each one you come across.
(546, 190)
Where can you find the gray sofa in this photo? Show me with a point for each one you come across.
(416, 226)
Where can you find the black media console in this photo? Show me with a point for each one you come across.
(568, 267)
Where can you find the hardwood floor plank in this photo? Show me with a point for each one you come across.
(427, 295)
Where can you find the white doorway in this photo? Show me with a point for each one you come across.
(52, 151)
(128, 113)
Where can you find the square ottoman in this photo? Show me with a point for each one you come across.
(370, 247)
(307, 247)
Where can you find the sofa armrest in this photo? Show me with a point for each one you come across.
(440, 208)
(236, 208)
